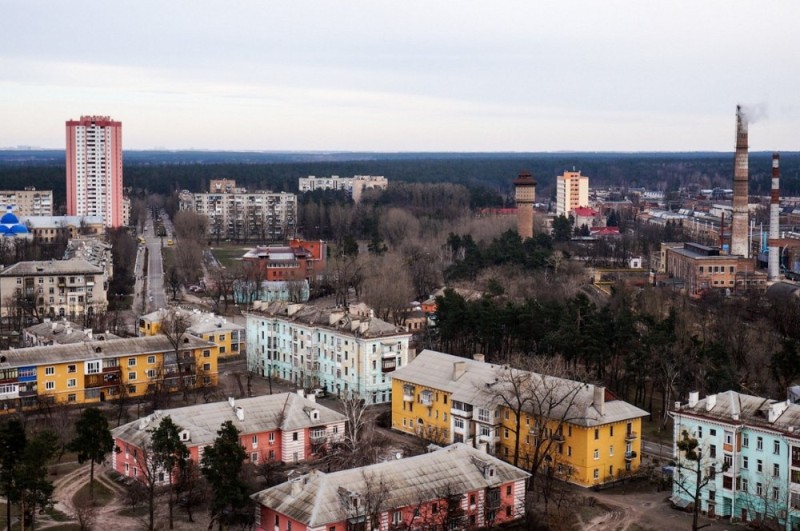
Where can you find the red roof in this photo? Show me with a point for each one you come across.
(604, 231)
(584, 212)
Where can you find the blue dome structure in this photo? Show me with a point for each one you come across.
(9, 218)
(10, 225)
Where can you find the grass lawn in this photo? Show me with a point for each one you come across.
(228, 256)
(102, 494)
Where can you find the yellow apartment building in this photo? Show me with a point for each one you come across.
(95, 371)
(228, 336)
(581, 432)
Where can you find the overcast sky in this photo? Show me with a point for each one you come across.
(428, 75)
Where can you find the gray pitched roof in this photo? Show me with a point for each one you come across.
(287, 411)
(64, 332)
(356, 320)
(92, 350)
(480, 384)
(457, 468)
(77, 266)
(738, 408)
(201, 322)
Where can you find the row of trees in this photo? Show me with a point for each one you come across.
(647, 344)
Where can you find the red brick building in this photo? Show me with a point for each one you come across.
(300, 260)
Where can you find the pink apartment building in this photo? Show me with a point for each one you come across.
(457, 487)
(94, 169)
(284, 427)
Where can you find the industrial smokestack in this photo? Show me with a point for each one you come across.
(740, 181)
(774, 221)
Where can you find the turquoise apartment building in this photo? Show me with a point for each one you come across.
(749, 457)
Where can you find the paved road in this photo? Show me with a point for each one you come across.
(156, 298)
(656, 449)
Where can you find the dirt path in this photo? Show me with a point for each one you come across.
(107, 516)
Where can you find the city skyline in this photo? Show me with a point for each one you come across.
(354, 76)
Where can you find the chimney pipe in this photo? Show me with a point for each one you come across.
(774, 221)
(740, 193)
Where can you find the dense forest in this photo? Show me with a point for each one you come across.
(162, 172)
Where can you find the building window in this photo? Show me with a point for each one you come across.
(745, 440)
(759, 443)
(759, 489)
(776, 470)
(71, 397)
(72, 382)
(596, 454)
(294, 436)
(776, 447)
(596, 474)
(611, 451)
(596, 434)
(131, 362)
(759, 466)
(49, 371)
(699, 432)
(151, 360)
(49, 386)
(611, 431)
(131, 376)
(745, 462)
(71, 368)
(728, 437)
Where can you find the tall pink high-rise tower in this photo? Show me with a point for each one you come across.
(94, 168)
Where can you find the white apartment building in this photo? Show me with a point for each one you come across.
(335, 349)
(354, 186)
(28, 202)
(245, 216)
(572, 191)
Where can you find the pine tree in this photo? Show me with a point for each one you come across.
(92, 441)
(222, 467)
(169, 454)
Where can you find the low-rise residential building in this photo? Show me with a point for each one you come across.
(456, 487)
(286, 427)
(339, 350)
(94, 251)
(589, 436)
(749, 450)
(227, 335)
(354, 186)
(28, 202)
(49, 229)
(53, 288)
(95, 371)
(300, 260)
(240, 215)
(60, 333)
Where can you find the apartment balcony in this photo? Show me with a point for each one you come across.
(488, 438)
(388, 365)
(631, 436)
(426, 400)
(630, 456)
(557, 437)
(408, 397)
(318, 436)
(461, 411)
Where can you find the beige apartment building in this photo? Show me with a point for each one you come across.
(28, 202)
(55, 288)
(234, 213)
